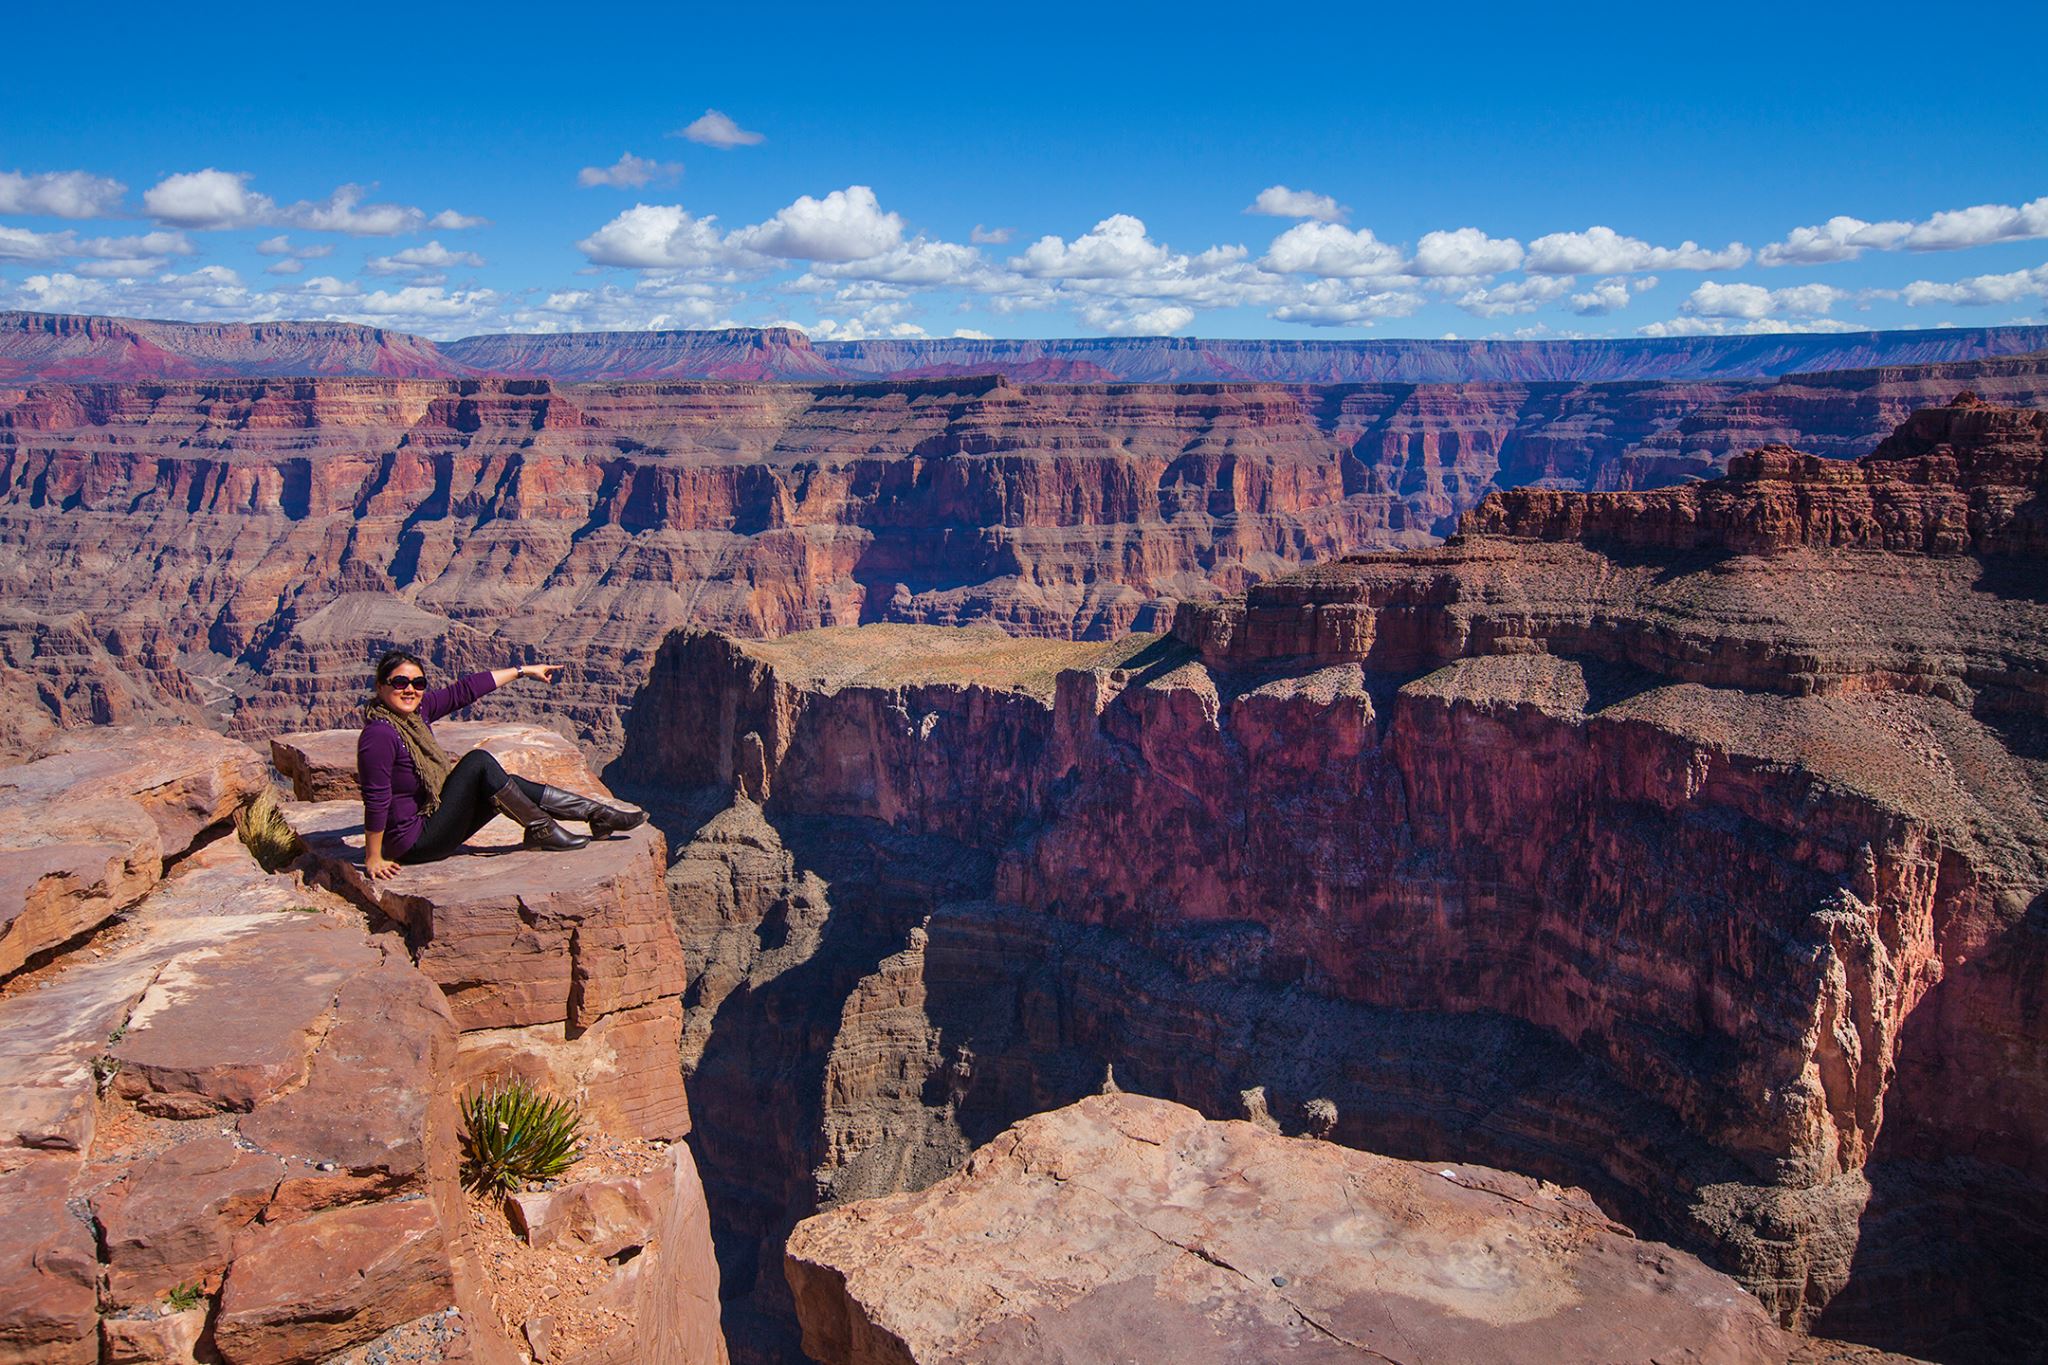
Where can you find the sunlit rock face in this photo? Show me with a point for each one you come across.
(1682, 845)
(238, 550)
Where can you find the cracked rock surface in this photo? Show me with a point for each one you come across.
(1128, 1228)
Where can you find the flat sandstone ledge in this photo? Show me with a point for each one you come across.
(320, 765)
(1126, 1228)
(563, 968)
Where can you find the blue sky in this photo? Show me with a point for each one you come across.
(1017, 171)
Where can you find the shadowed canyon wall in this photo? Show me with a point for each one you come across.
(1687, 845)
(241, 548)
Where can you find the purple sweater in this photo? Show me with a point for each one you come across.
(392, 790)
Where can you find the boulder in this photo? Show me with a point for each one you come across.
(321, 764)
(1129, 1228)
(598, 1217)
(561, 967)
(85, 832)
(313, 1287)
(49, 1312)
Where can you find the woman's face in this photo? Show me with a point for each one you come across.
(404, 689)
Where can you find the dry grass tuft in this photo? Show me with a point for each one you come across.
(266, 835)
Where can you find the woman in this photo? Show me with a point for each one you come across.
(417, 808)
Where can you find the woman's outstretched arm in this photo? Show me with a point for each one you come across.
(442, 701)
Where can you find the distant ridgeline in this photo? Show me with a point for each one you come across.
(76, 348)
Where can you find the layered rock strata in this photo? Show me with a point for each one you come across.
(1686, 846)
(1125, 1228)
(243, 549)
(68, 346)
(562, 970)
(88, 830)
(228, 1125)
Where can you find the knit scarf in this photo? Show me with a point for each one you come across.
(427, 756)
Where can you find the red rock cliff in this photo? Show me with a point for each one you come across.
(1731, 794)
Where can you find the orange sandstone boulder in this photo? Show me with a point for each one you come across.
(1125, 1228)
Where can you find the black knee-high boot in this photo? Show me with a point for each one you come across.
(541, 830)
(604, 820)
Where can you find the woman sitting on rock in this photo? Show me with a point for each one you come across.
(417, 807)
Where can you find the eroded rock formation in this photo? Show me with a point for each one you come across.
(1684, 845)
(64, 346)
(1124, 1228)
(240, 550)
(228, 1122)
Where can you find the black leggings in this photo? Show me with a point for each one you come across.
(466, 806)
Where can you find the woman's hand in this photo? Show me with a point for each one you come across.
(379, 868)
(545, 672)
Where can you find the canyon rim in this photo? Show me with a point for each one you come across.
(1321, 688)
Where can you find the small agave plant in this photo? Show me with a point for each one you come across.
(513, 1133)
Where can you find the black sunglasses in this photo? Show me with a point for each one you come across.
(406, 684)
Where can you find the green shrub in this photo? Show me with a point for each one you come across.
(183, 1299)
(266, 835)
(513, 1133)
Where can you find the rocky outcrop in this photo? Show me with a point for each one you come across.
(320, 765)
(1133, 1229)
(87, 831)
(238, 1103)
(228, 1122)
(1697, 866)
(245, 548)
(562, 970)
(60, 346)
(64, 346)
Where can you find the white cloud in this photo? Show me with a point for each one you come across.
(654, 302)
(281, 245)
(1753, 301)
(982, 236)
(1162, 320)
(1116, 248)
(207, 199)
(1603, 251)
(148, 250)
(1332, 252)
(1843, 238)
(1980, 225)
(846, 225)
(1610, 295)
(1979, 290)
(290, 265)
(1466, 251)
(1517, 296)
(345, 211)
(222, 199)
(969, 334)
(448, 220)
(432, 256)
(1336, 303)
(716, 130)
(1698, 326)
(658, 237)
(1277, 201)
(60, 194)
(1840, 238)
(919, 263)
(629, 172)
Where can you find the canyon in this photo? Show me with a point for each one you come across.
(232, 552)
(74, 347)
(1684, 845)
(1596, 820)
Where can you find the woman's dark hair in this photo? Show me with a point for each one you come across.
(388, 663)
